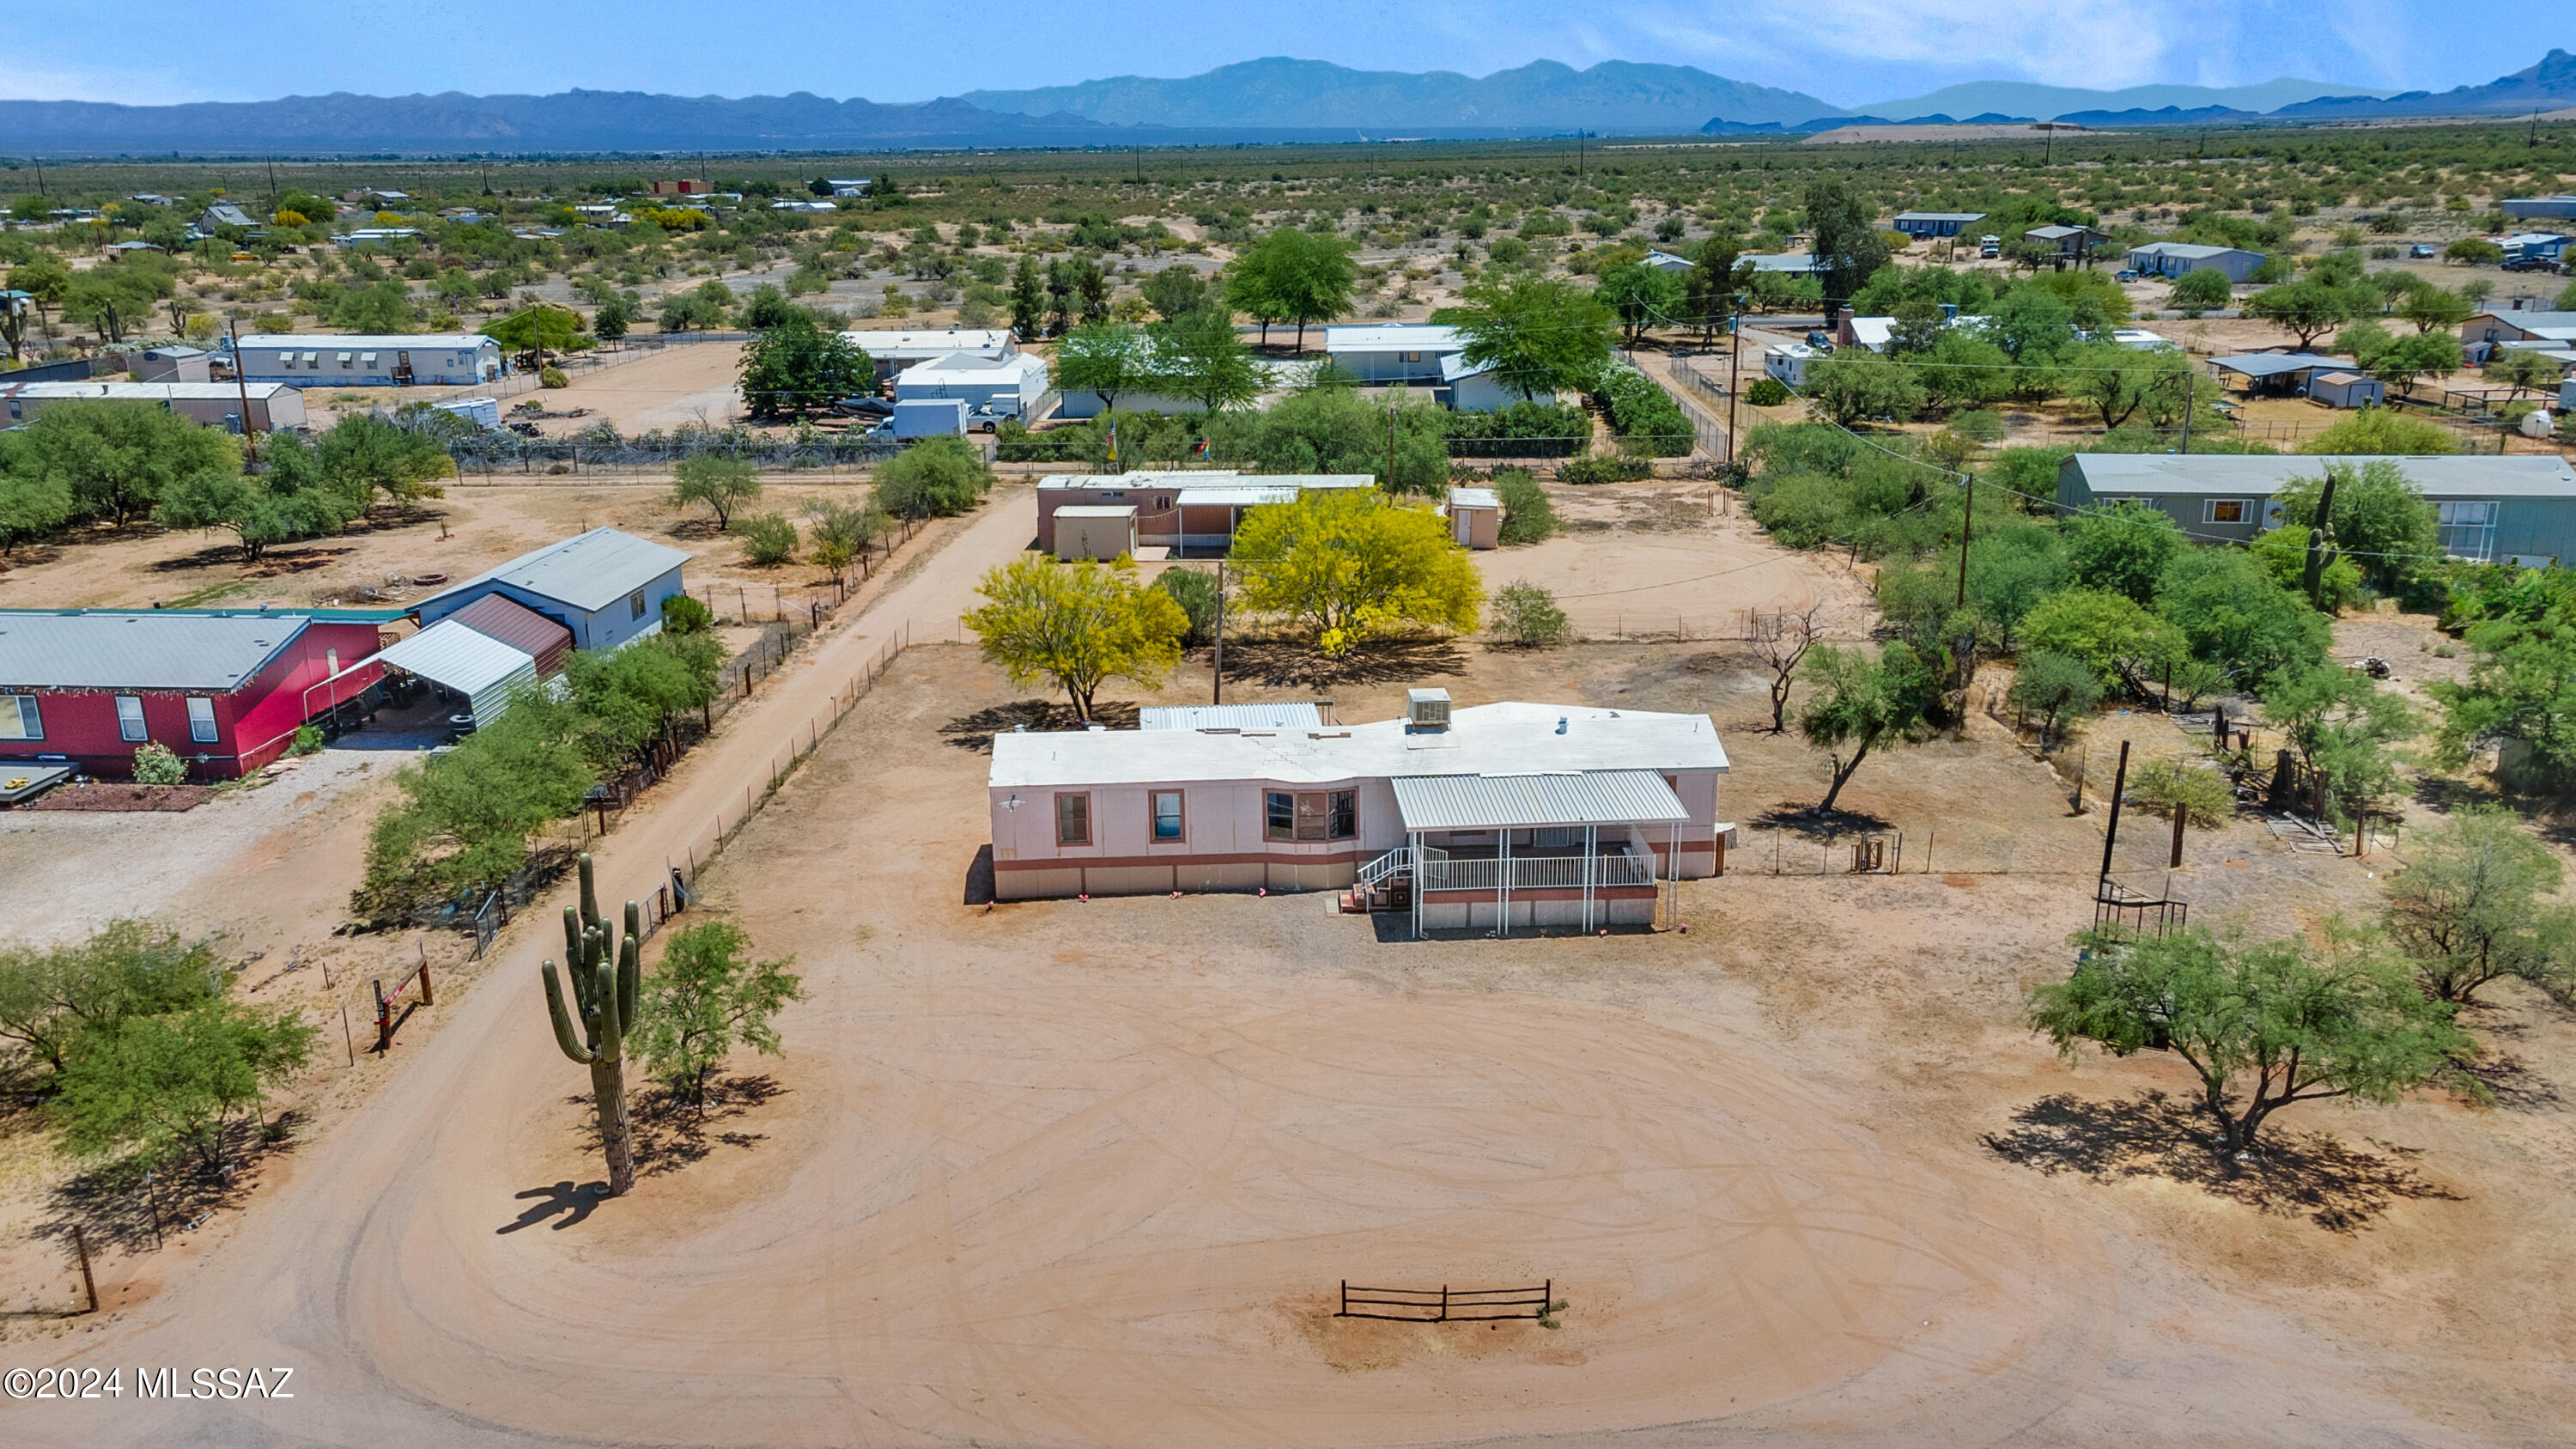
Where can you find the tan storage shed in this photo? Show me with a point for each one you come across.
(1095, 531)
(1475, 517)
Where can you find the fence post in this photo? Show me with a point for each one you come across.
(1444, 1303)
(89, 1284)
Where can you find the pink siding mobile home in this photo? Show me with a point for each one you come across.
(1514, 814)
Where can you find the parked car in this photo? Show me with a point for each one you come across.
(1990, 245)
(865, 407)
(2420, 249)
(2127, 274)
(2531, 264)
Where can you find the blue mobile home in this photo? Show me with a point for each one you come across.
(605, 586)
(2519, 508)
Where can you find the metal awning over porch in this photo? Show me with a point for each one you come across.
(1519, 802)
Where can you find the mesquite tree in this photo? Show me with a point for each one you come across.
(605, 992)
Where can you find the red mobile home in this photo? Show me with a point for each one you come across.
(224, 691)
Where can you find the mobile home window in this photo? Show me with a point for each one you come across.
(635, 605)
(1167, 815)
(129, 718)
(2225, 510)
(201, 719)
(1073, 820)
(1313, 815)
(20, 719)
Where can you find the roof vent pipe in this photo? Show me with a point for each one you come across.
(1560, 724)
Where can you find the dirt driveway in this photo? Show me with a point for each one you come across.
(1089, 1174)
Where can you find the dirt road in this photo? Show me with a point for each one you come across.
(317, 1273)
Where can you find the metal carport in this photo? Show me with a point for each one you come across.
(489, 673)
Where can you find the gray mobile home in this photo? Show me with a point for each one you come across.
(2518, 508)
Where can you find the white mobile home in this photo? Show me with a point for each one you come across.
(1499, 815)
(894, 349)
(2174, 259)
(991, 387)
(1385, 352)
(324, 359)
(273, 405)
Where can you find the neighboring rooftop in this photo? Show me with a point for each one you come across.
(589, 571)
(142, 391)
(890, 342)
(1393, 337)
(1486, 739)
(2273, 364)
(369, 341)
(2516, 475)
(2192, 250)
(79, 649)
(1280, 715)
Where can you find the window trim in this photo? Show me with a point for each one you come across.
(2244, 511)
(205, 730)
(1270, 829)
(28, 709)
(1154, 817)
(142, 727)
(635, 605)
(1062, 796)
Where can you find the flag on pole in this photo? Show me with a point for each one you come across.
(1113, 442)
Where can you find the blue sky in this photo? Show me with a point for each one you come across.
(1846, 51)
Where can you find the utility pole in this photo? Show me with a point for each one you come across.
(2119, 785)
(1734, 350)
(1578, 155)
(272, 188)
(1967, 516)
(1216, 675)
(250, 438)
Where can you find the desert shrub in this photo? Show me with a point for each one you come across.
(1604, 468)
(155, 765)
(551, 376)
(2056, 687)
(2203, 794)
(1528, 516)
(682, 614)
(934, 478)
(1802, 511)
(768, 539)
(308, 740)
(1767, 392)
(1526, 614)
(1197, 595)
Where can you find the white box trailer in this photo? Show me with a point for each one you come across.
(930, 418)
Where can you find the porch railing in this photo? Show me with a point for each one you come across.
(1536, 872)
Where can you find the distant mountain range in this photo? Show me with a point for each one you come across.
(1275, 99)
(2547, 86)
(1543, 97)
(2024, 98)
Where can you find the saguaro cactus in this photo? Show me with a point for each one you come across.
(605, 991)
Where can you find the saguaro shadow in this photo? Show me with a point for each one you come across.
(571, 1202)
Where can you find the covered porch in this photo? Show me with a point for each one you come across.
(1573, 849)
